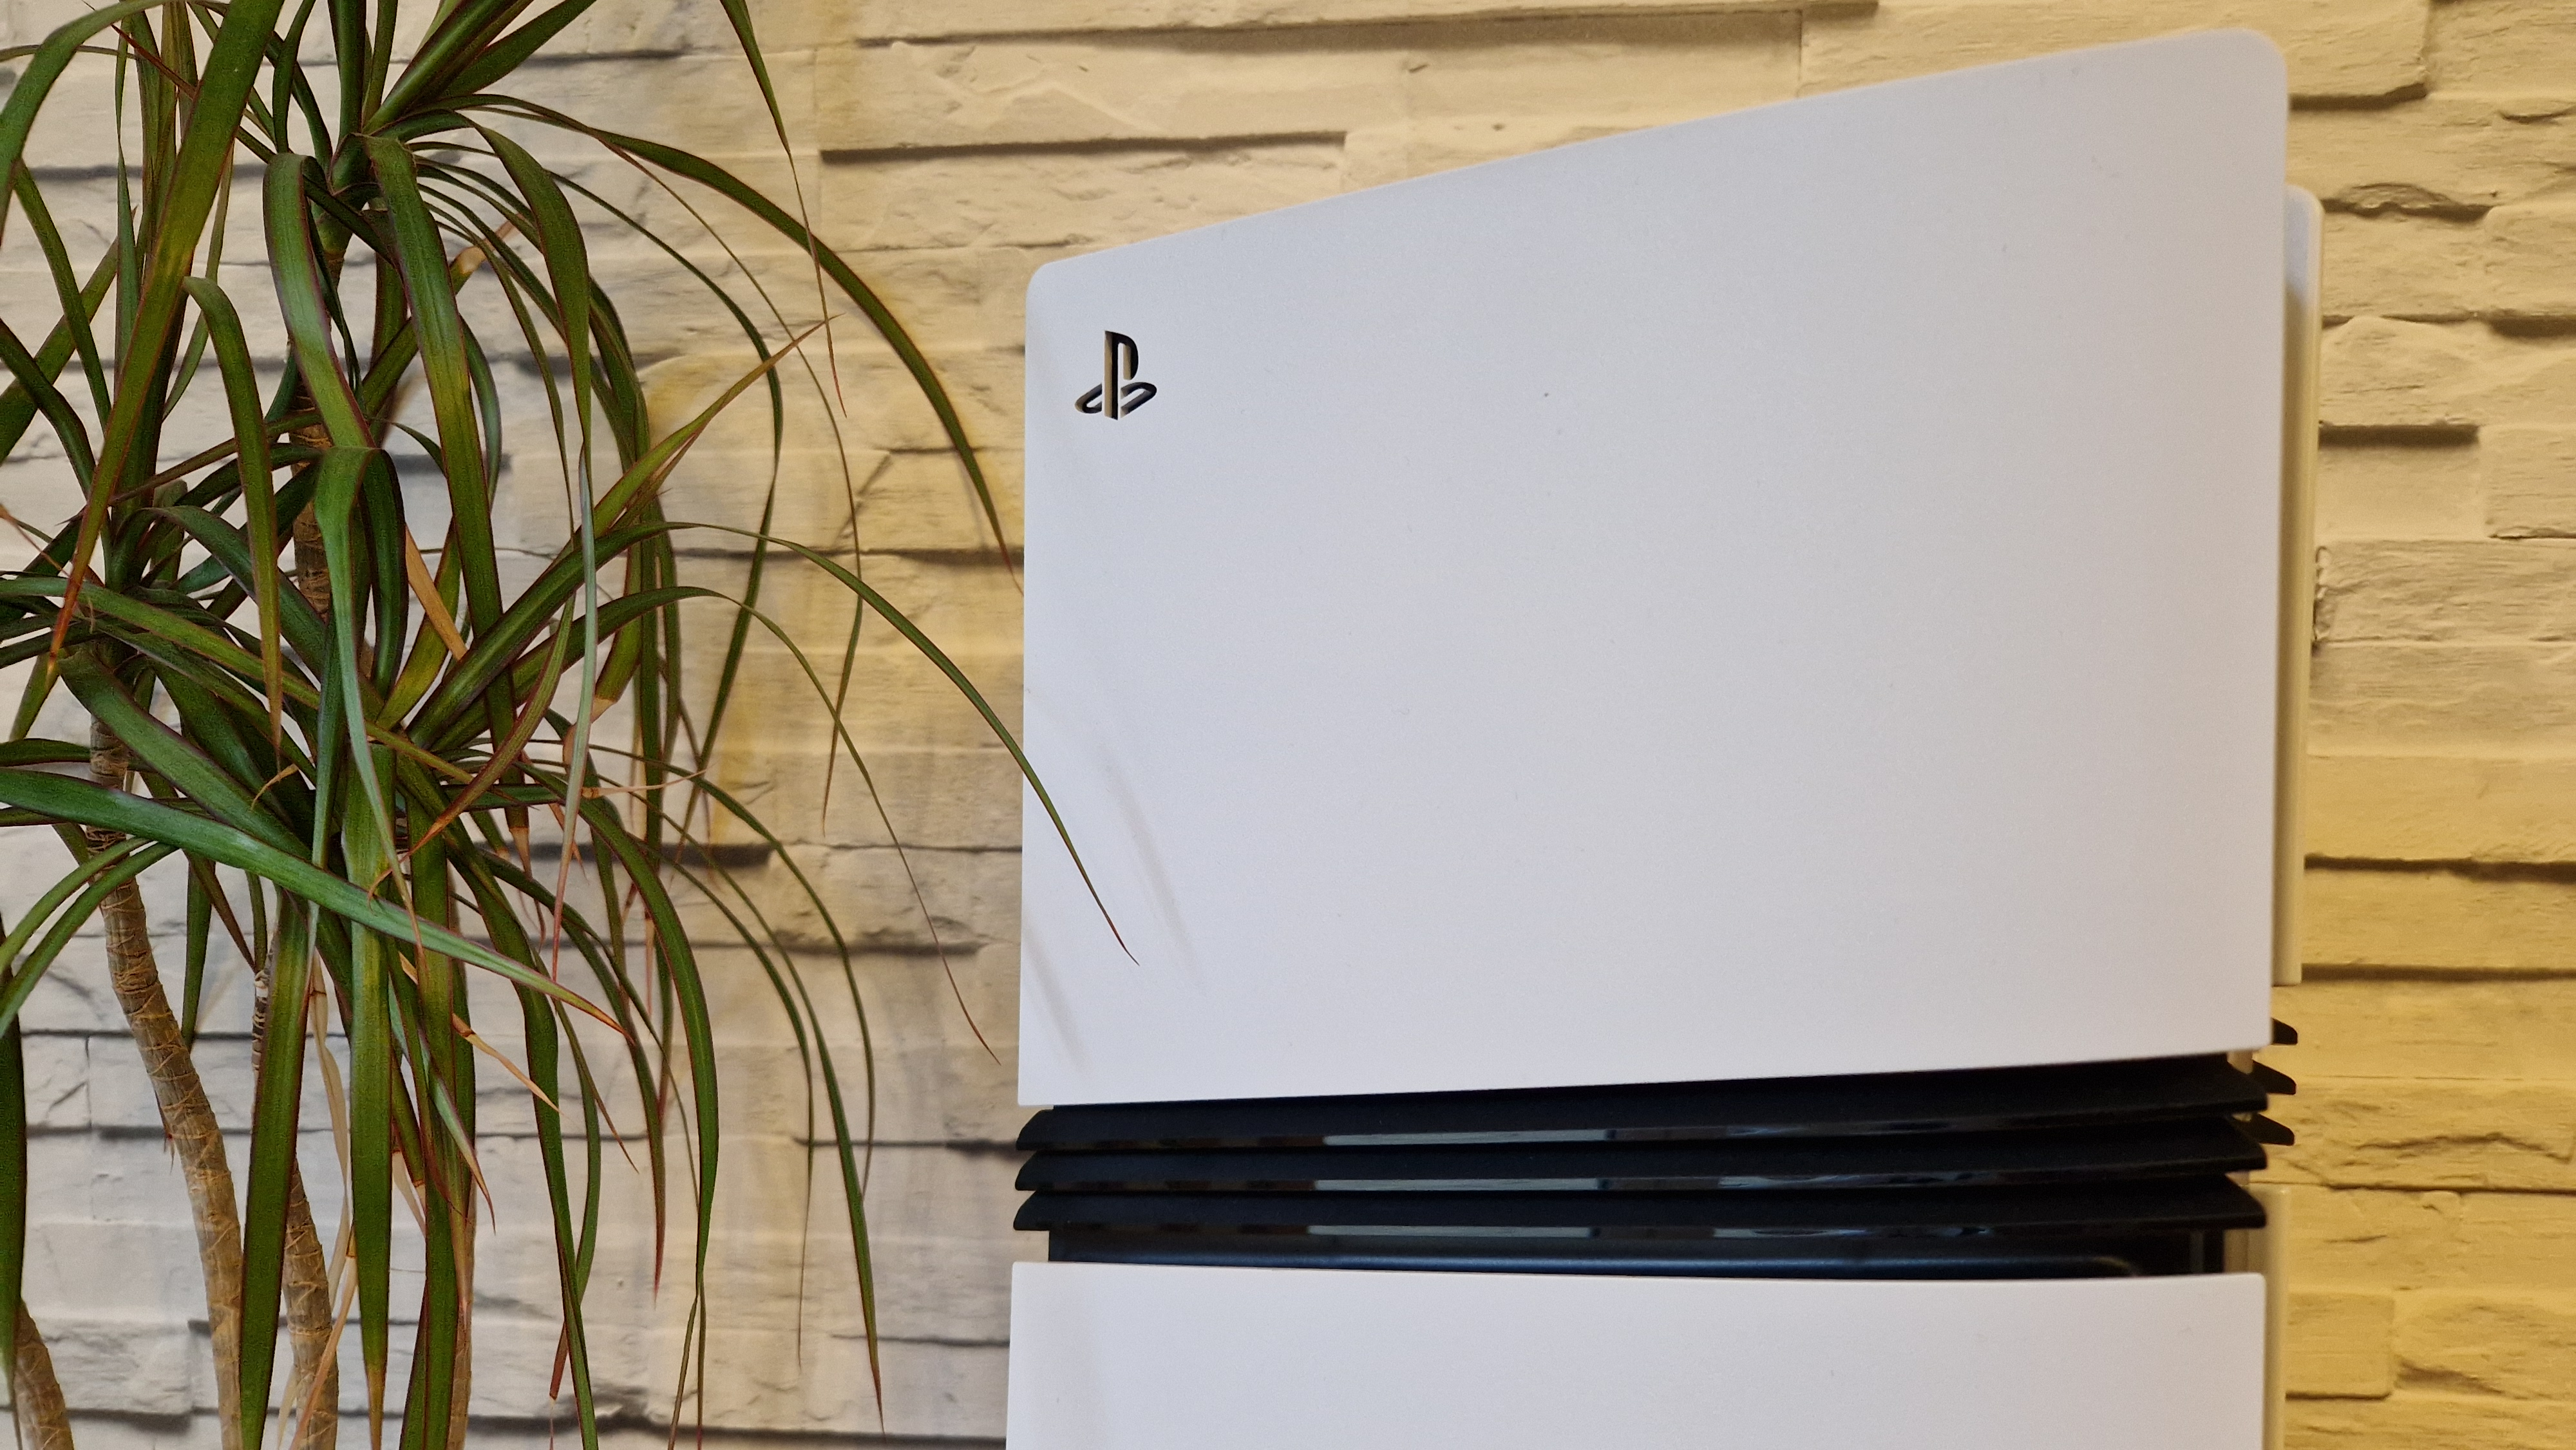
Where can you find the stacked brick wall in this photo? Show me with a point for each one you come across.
(955, 145)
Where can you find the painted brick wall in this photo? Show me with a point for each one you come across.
(955, 145)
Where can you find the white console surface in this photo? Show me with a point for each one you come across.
(1130, 1357)
(1783, 594)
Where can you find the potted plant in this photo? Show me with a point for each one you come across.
(345, 731)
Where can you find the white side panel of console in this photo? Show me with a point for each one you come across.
(1785, 594)
(1128, 1357)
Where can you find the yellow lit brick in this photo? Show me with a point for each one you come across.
(2337, 1343)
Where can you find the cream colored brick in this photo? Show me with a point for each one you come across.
(2516, 1242)
(78, 129)
(1156, 87)
(882, 407)
(2338, 1344)
(2340, 49)
(771, 1380)
(2439, 920)
(905, 502)
(935, 1082)
(941, 797)
(2526, 269)
(2395, 264)
(2441, 808)
(2523, 589)
(2383, 374)
(967, 899)
(1613, 74)
(969, 606)
(2392, 1133)
(2443, 154)
(2506, 263)
(2400, 492)
(1050, 198)
(2504, 47)
(682, 99)
(923, 899)
(2489, 1029)
(1379, 155)
(2435, 699)
(952, 301)
(139, 1365)
(2521, 1346)
(949, 19)
(2409, 1421)
(2529, 475)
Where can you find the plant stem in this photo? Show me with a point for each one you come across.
(308, 1321)
(312, 566)
(186, 1116)
(462, 1239)
(307, 1282)
(44, 1423)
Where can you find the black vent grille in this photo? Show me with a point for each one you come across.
(2099, 1168)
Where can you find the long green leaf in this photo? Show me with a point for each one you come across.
(81, 803)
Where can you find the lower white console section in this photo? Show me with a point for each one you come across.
(1142, 1357)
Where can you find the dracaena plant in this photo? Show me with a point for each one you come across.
(339, 727)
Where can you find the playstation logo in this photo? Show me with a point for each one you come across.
(1119, 393)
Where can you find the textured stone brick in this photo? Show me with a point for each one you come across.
(2505, 47)
(2339, 50)
(2383, 492)
(965, 899)
(1377, 155)
(945, 19)
(936, 1082)
(2507, 264)
(1051, 198)
(2439, 920)
(2526, 272)
(2445, 154)
(2434, 699)
(143, 1365)
(57, 1081)
(904, 503)
(1612, 73)
(2521, 1346)
(2430, 1422)
(683, 99)
(2338, 1344)
(2393, 1133)
(883, 408)
(2529, 476)
(77, 130)
(2398, 264)
(2481, 1029)
(2445, 590)
(2380, 373)
(2391, 1239)
(2436, 808)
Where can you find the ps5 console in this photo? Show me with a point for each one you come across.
(1666, 803)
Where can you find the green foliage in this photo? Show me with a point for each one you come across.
(359, 723)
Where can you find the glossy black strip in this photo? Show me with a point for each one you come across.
(1994, 1256)
(2143, 1206)
(2040, 1155)
(1983, 1099)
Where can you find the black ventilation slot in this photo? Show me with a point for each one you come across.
(2039, 1155)
(1896, 1102)
(2043, 1171)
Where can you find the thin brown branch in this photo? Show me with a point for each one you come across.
(307, 1281)
(44, 1422)
(186, 1116)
